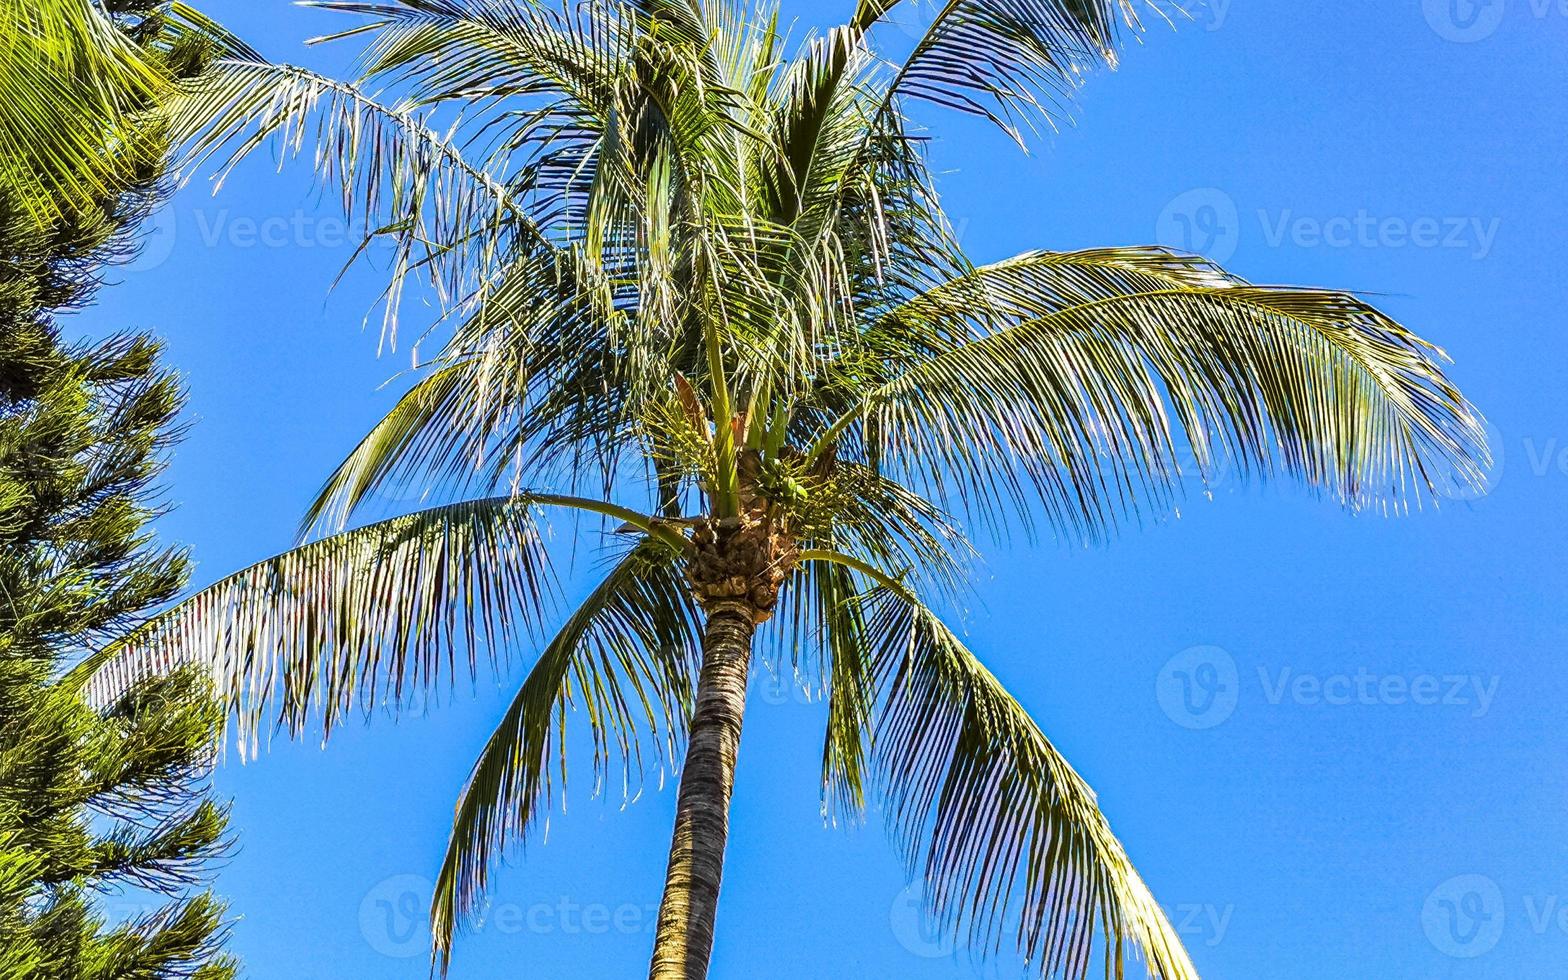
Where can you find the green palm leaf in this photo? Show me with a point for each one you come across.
(1087, 369)
(373, 615)
(990, 817)
(627, 658)
(447, 220)
(74, 92)
(1013, 62)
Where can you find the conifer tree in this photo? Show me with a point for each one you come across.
(102, 806)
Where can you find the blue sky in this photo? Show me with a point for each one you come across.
(1332, 744)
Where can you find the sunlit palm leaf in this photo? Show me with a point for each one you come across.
(1089, 368)
(447, 220)
(357, 620)
(74, 91)
(1003, 833)
(627, 658)
(1014, 62)
(841, 622)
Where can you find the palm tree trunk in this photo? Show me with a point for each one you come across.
(684, 939)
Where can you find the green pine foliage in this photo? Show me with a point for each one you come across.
(94, 803)
(104, 808)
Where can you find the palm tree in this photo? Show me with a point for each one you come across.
(698, 286)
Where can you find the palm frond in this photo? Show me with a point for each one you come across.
(1087, 367)
(1016, 63)
(628, 659)
(360, 619)
(480, 399)
(858, 511)
(447, 219)
(989, 816)
(851, 695)
(74, 91)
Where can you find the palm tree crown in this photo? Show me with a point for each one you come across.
(697, 281)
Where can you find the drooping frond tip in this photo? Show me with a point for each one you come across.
(627, 660)
(1094, 382)
(1006, 837)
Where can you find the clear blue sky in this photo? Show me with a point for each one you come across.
(1380, 791)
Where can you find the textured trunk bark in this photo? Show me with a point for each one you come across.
(684, 939)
